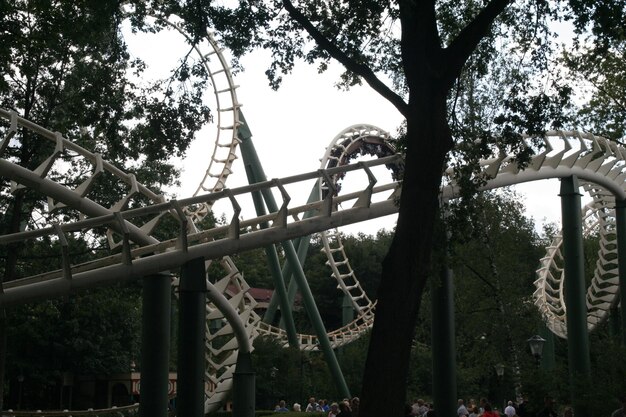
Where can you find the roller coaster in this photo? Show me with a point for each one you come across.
(135, 251)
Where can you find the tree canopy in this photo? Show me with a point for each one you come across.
(65, 66)
(467, 76)
(437, 62)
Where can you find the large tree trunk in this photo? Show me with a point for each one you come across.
(406, 266)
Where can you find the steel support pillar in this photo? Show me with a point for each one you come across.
(254, 172)
(620, 217)
(302, 244)
(615, 325)
(347, 310)
(443, 344)
(155, 345)
(548, 356)
(574, 291)
(299, 277)
(191, 342)
(243, 386)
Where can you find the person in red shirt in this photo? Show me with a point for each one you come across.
(489, 412)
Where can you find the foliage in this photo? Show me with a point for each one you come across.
(494, 252)
(602, 79)
(289, 374)
(66, 67)
(469, 77)
(95, 333)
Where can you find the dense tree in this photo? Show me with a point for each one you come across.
(65, 66)
(424, 48)
(495, 257)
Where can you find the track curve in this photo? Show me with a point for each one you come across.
(599, 162)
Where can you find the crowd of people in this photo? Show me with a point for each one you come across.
(484, 409)
(344, 408)
(520, 409)
(420, 408)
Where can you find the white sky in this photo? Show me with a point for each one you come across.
(292, 126)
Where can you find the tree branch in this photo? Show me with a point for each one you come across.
(479, 275)
(457, 53)
(362, 70)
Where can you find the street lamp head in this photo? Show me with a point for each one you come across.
(499, 369)
(536, 346)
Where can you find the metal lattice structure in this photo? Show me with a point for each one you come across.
(601, 166)
(596, 160)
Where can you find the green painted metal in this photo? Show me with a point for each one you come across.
(254, 172)
(316, 321)
(548, 356)
(302, 244)
(574, 290)
(620, 217)
(155, 343)
(443, 344)
(191, 339)
(243, 386)
(347, 310)
(614, 324)
(251, 158)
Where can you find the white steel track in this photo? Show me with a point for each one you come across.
(597, 161)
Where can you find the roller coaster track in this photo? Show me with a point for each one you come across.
(135, 252)
(601, 165)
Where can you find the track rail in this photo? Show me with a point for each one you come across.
(597, 161)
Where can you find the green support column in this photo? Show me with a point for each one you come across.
(620, 217)
(243, 386)
(292, 257)
(443, 344)
(191, 343)
(614, 324)
(255, 174)
(347, 310)
(302, 244)
(574, 291)
(548, 356)
(155, 345)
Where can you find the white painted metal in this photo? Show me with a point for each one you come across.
(590, 165)
(597, 161)
(600, 164)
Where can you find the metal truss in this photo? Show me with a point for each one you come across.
(232, 323)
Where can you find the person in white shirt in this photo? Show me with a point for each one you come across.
(462, 410)
(510, 410)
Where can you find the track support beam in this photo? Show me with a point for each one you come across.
(620, 217)
(155, 345)
(251, 159)
(255, 173)
(191, 339)
(574, 289)
(443, 344)
(243, 386)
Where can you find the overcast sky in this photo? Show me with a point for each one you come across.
(291, 127)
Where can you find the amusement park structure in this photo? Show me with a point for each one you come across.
(224, 354)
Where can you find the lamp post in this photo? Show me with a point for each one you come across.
(273, 371)
(536, 346)
(499, 367)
